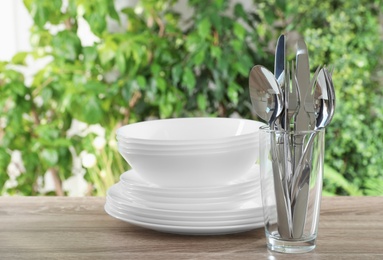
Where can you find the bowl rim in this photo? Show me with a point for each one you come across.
(182, 153)
(119, 131)
(183, 148)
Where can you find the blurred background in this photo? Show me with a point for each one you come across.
(72, 72)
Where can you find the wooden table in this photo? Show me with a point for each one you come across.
(78, 228)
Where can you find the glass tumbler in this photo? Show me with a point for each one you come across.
(291, 183)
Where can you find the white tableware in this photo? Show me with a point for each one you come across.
(255, 212)
(188, 230)
(132, 181)
(188, 223)
(122, 142)
(187, 204)
(245, 207)
(183, 131)
(188, 152)
(146, 192)
(193, 170)
(157, 198)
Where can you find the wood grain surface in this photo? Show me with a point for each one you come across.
(78, 228)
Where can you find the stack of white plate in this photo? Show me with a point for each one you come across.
(190, 176)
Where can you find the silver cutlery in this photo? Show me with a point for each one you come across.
(289, 101)
(267, 99)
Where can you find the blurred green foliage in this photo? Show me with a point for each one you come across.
(158, 65)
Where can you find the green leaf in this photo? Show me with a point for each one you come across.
(67, 45)
(5, 158)
(204, 28)
(176, 74)
(239, 31)
(96, 22)
(188, 79)
(337, 179)
(232, 93)
(242, 68)
(47, 132)
(215, 51)
(112, 11)
(94, 87)
(220, 4)
(141, 81)
(161, 84)
(44, 11)
(86, 108)
(239, 11)
(107, 51)
(155, 69)
(19, 58)
(92, 111)
(18, 88)
(237, 45)
(49, 156)
(90, 53)
(199, 58)
(121, 61)
(202, 102)
(166, 108)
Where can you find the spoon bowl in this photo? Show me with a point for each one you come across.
(266, 94)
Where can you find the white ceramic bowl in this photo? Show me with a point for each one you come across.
(186, 147)
(193, 169)
(132, 181)
(123, 149)
(181, 131)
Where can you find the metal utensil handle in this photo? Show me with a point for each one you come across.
(282, 201)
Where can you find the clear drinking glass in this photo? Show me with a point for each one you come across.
(291, 182)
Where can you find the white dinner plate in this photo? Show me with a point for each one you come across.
(247, 194)
(246, 207)
(181, 222)
(220, 205)
(187, 230)
(149, 193)
(184, 216)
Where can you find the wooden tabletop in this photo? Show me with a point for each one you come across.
(78, 228)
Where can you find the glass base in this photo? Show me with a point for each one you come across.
(290, 246)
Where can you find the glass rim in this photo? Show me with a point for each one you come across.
(266, 129)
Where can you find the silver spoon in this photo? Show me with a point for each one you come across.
(266, 95)
(267, 100)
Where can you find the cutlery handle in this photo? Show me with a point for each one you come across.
(300, 189)
(281, 190)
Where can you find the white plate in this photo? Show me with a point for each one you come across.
(166, 215)
(181, 222)
(186, 205)
(186, 230)
(246, 207)
(247, 194)
(147, 193)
